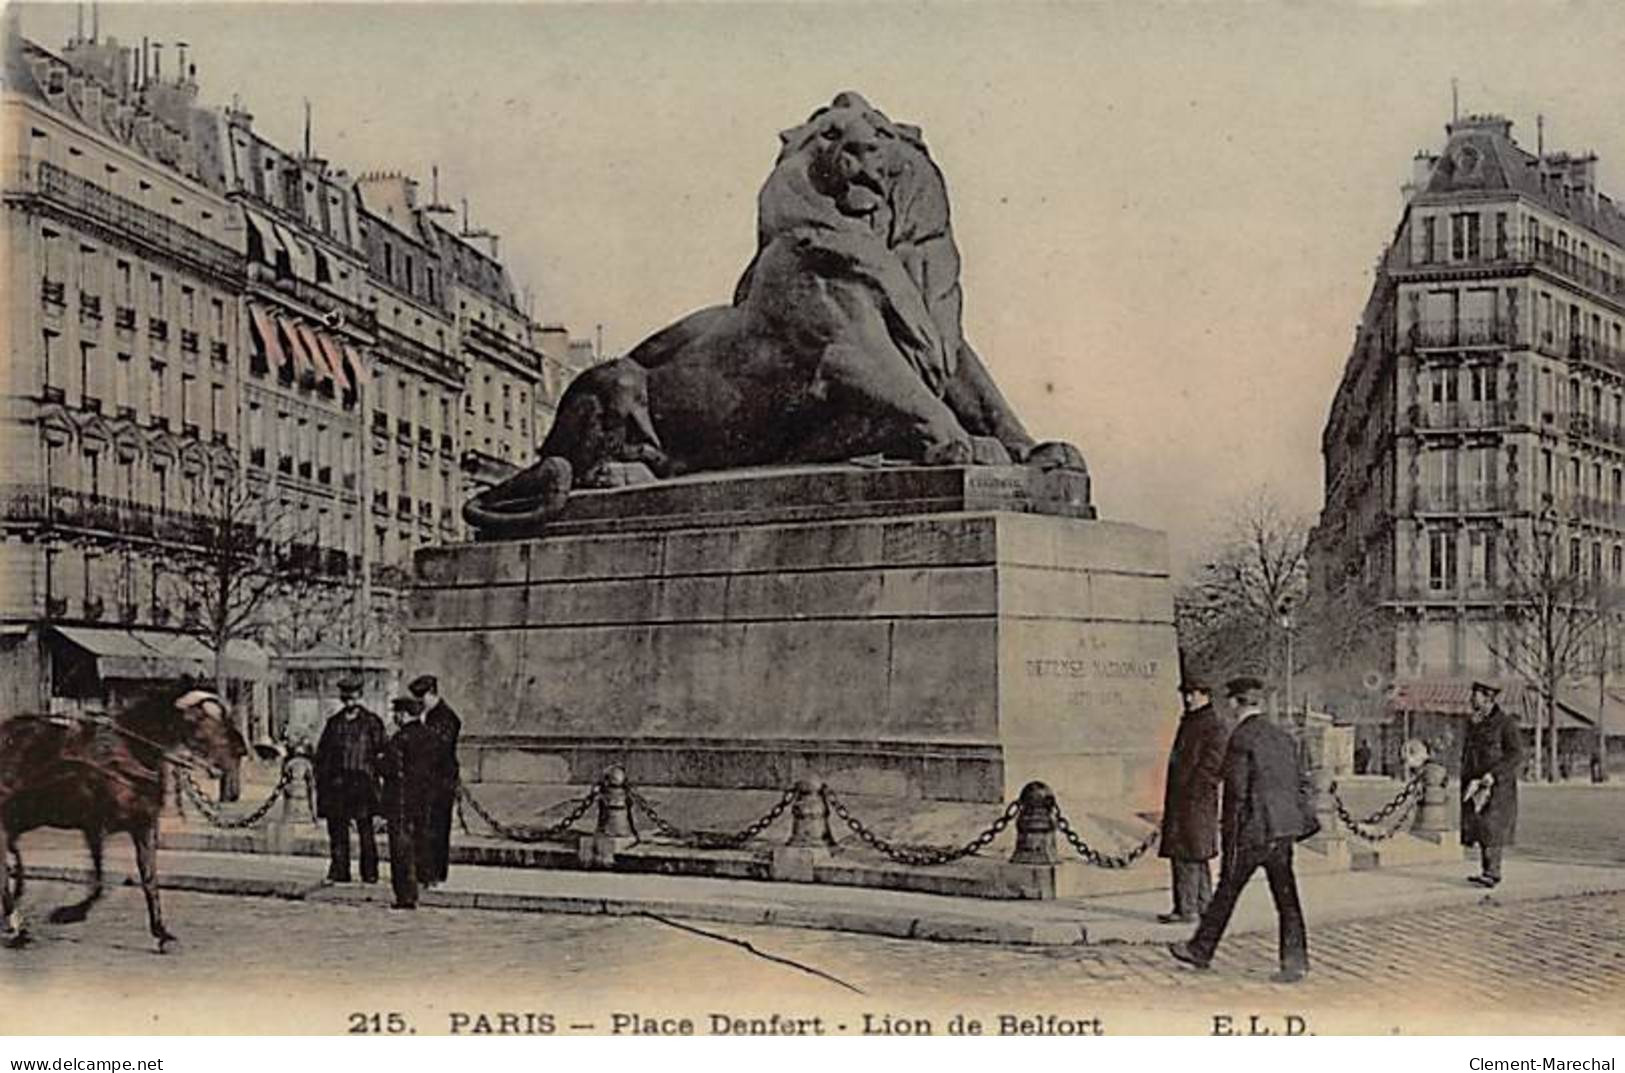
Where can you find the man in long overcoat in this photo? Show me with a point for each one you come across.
(409, 768)
(347, 788)
(1190, 804)
(1268, 806)
(1491, 758)
(442, 721)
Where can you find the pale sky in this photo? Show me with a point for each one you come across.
(1168, 214)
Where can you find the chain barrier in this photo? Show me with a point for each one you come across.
(920, 856)
(707, 839)
(216, 816)
(1095, 856)
(1370, 829)
(513, 833)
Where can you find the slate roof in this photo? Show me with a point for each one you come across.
(1499, 163)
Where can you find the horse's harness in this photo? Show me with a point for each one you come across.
(167, 754)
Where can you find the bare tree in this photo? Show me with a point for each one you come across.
(1237, 613)
(1551, 613)
(242, 557)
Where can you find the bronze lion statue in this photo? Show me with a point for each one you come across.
(843, 340)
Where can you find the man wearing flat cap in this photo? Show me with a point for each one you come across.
(1491, 757)
(347, 790)
(443, 723)
(409, 769)
(1190, 804)
(1268, 806)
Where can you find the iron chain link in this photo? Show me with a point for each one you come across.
(920, 856)
(215, 815)
(1407, 799)
(1094, 856)
(706, 839)
(514, 833)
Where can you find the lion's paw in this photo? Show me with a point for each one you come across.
(949, 453)
(1057, 455)
(622, 474)
(988, 451)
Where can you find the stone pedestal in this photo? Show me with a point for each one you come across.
(934, 633)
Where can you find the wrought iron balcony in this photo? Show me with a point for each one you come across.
(56, 607)
(1519, 253)
(157, 328)
(52, 393)
(189, 340)
(94, 608)
(90, 306)
(380, 502)
(53, 292)
(256, 457)
(217, 349)
(124, 317)
(61, 190)
(1465, 333)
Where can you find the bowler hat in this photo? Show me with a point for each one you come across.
(349, 687)
(409, 705)
(1194, 683)
(423, 683)
(1246, 685)
(1486, 688)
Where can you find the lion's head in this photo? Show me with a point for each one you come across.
(851, 169)
(836, 170)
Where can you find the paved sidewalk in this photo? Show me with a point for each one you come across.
(1121, 918)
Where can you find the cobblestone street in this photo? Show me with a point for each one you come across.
(268, 965)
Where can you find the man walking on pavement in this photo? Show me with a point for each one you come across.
(408, 770)
(1190, 806)
(347, 759)
(1491, 757)
(1267, 807)
(442, 721)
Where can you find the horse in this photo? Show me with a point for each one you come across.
(101, 776)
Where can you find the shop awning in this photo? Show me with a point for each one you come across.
(270, 242)
(301, 257)
(358, 366)
(324, 370)
(148, 654)
(335, 360)
(303, 363)
(265, 330)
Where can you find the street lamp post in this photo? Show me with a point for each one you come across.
(1286, 625)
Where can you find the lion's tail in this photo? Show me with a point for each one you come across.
(517, 506)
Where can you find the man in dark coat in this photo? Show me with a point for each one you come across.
(444, 724)
(1268, 806)
(1190, 804)
(409, 769)
(347, 758)
(1491, 757)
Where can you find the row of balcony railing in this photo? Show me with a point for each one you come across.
(55, 186)
(1519, 252)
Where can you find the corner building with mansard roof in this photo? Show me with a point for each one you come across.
(1482, 408)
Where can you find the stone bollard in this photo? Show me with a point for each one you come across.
(809, 845)
(614, 832)
(1035, 826)
(809, 817)
(1331, 829)
(1433, 810)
